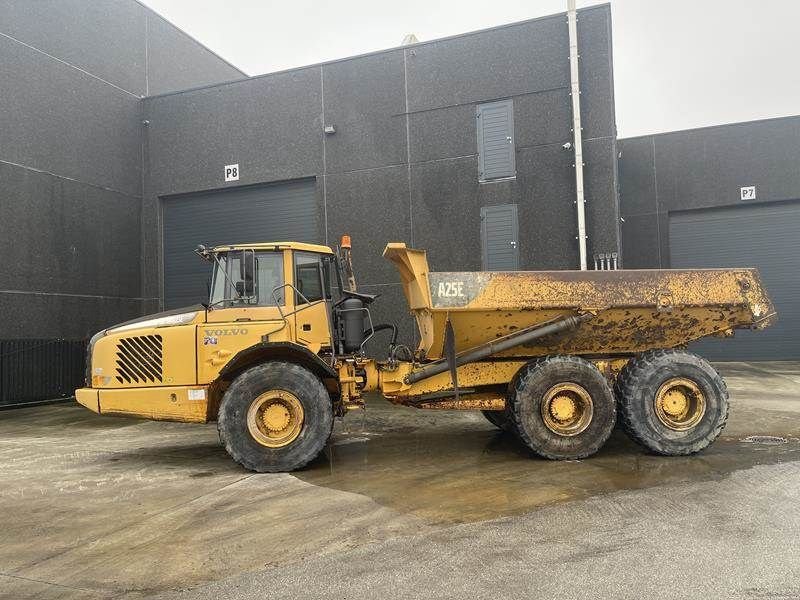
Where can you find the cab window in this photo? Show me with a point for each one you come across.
(248, 278)
(269, 269)
(308, 277)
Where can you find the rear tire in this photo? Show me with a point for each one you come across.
(280, 387)
(671, 402)
(562, 407)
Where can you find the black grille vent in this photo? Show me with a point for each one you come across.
(139, 359)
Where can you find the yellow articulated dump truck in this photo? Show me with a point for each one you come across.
(554, 358)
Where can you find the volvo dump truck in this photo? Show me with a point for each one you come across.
(555, 358)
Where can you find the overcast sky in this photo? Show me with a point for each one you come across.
(678, 64)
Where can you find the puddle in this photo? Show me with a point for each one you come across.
(349, 440)
(455, 467)
(202, 474)
(765, 440)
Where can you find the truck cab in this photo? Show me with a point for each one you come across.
(266, 300)
(284, 286)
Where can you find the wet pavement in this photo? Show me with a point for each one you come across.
(108, 507)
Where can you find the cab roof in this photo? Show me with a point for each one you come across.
(276, 246)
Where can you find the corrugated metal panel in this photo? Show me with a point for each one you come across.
(33, 370)
(267, 213)
(499, 231)
(766, 236)
(496, 154)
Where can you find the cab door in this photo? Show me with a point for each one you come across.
(262, 316)
(312, 316)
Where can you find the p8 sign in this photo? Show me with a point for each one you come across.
(232, 172)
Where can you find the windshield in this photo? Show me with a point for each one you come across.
(237, 283)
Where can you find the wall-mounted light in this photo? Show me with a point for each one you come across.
(329, 130)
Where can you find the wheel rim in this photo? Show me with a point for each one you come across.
(567, 409)
(679, 404)
(275, 418)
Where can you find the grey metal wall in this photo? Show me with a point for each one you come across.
(120, 42)
(703, 170)
(277, 212)
(756, 235)
(700, 168)
(403, 163)
(73, 73)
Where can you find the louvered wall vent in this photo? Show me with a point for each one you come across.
(139, 359)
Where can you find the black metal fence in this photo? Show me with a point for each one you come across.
(37, 370)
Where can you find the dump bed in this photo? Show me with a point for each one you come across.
(633, 310)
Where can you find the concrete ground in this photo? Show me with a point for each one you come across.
(404, 504)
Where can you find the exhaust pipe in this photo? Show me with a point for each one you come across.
(494, 347)
(346, 262)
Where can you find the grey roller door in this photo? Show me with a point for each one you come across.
(268, 213)
(499, 229)
(766, 236)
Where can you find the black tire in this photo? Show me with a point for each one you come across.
(498, 418)
(528, 391)
(316, 425)
(636, 390)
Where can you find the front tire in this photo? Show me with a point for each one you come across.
(275, 417)
(562, 407)
(671, 402)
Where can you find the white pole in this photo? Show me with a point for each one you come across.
(572, 22)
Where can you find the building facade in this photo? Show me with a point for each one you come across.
(126, 144)
(120, 135)
(456, 146)
(724, 196)
(71, 179)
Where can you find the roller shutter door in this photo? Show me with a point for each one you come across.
(267, 213)
(766, 236)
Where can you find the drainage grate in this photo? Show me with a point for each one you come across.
(766, 440)
(139, 359)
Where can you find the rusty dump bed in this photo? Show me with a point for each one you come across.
(633, 310)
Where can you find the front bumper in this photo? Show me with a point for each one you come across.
(187, 404)
(89, 398)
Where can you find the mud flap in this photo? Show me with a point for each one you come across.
(450, 354)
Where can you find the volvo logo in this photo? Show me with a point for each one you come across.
(220, 332)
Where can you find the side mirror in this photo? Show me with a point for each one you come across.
(203, 252)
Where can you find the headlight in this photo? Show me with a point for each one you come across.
(170, 321)
(89, 351)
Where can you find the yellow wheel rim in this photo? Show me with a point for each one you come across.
(275, 418)
(680, 404)
(567, 409)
